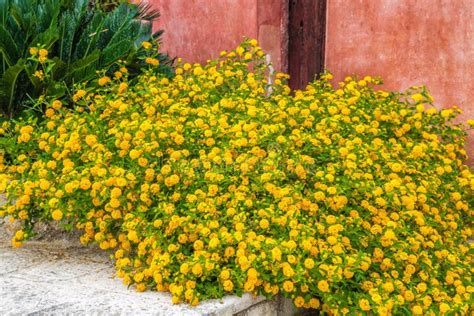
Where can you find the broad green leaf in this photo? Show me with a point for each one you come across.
(69, 26)
(89, 36)
(8, 84)
(8, 47)
(113, 52)
(47, 37)
(30, 70)
(59, 70)
(77, 69)
(56, 89)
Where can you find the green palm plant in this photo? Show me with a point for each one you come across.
(80, 40)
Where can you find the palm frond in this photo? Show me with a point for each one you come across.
(146, 12)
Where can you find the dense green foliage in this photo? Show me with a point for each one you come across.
(78, 38)
(348, 199)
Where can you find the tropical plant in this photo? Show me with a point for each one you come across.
(78, 39)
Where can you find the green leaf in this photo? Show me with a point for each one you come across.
(90, 35)
(59, 70)
(56, 90)
(77, 69)
(7, 86)
(115, 51)
(30, 71)
(8, 47)
(48, 37)
(69, 25)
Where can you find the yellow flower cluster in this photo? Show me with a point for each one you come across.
(41, 53)
(346, 199)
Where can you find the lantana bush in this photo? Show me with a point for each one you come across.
(348, 199)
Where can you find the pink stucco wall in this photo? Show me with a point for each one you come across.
(198, 30)
(407, 42)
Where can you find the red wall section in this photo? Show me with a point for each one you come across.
(407, 42)
(198, 30)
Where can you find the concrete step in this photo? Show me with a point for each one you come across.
(60, 276)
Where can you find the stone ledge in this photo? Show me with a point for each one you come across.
(62, 277)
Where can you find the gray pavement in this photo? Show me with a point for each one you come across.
(57, 277)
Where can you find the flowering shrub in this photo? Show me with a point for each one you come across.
(217, 181)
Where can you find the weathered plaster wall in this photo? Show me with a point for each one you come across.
(198, 30)
(407, 42)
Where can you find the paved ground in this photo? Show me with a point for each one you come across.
(60, 276)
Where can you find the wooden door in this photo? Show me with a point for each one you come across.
(306, 37)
